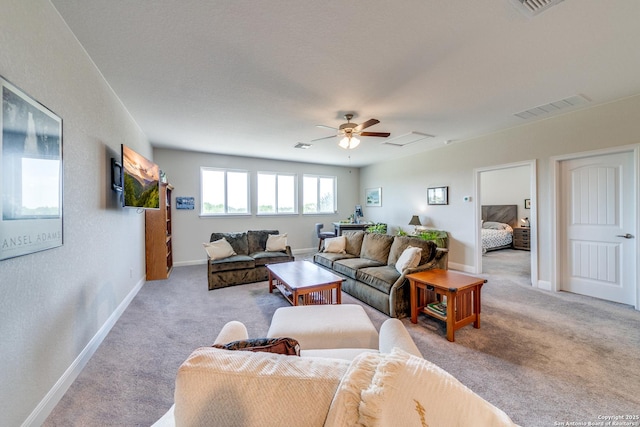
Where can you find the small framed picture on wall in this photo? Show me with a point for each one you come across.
(527, 203)
(187, 203)
(373, 196)
(438, 196)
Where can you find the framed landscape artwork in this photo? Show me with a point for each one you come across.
(31, 181)
(373, 196)
(438, 196)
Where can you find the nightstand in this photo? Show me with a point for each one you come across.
(522, 238)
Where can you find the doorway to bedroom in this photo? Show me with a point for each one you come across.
(506, 240)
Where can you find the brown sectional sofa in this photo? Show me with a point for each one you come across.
(248, 265)
(368, 266)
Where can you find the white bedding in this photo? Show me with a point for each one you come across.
(492, 239)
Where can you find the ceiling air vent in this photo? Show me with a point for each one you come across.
(553, 107)
(407, 138)
(534, 7)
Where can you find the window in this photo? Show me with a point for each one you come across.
(224, 192)
(319, 194)
(276, 193)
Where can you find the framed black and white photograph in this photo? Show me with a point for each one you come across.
(373, 196)
(31, 182)
(187, 203)
(438, 196)
(527, 203)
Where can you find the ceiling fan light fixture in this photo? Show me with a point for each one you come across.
(349, 143)
(347, 132)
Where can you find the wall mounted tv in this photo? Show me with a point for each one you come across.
(140, 181)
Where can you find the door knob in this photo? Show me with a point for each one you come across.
(626, 236)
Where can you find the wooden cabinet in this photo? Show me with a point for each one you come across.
(158, 245)
(522, 238)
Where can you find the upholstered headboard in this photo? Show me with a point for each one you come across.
(507, 214)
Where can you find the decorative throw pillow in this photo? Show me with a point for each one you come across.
(286, 346)
(219, 249)
(335, 245)
(410, 258)
(276, 242)
(401, 389)
(492, 225)
(353, 239)
(409, 391)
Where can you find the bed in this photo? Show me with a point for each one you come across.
(498, 222)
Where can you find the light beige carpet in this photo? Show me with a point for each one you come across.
(542, 357)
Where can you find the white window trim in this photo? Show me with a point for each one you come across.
(295, 194)
(335, 193)
(226, 204)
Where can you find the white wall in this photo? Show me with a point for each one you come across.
(508, 186)
(53, 303)
(406, 180)
(189, 230)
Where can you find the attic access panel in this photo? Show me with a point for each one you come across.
(407, 138)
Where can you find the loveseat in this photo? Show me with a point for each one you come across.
(369, 264)
(240, 257)
(391, 386)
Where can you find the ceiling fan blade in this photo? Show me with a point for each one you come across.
(382, 134)
(326, 127)
(366, 124)
(320, 139)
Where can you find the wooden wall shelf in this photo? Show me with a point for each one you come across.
(158, 237)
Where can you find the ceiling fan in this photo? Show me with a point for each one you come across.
(348, 131)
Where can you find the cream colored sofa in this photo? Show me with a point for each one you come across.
(390, 386)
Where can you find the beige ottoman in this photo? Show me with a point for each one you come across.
(325, 326)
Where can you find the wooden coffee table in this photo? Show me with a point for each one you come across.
(462, 294)
(305, 282)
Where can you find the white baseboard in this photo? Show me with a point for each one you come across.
(543, 284)
(461, 267)
(304, 251)
(186, 263)
(51, 399)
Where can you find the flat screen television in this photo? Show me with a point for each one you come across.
(140, 181)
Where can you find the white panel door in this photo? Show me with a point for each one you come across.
(598, 211)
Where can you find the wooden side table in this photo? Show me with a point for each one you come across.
(522, 238)
(462, 294)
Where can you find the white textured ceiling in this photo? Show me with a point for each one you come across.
(253, 78)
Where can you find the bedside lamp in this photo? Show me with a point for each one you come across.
(415, 221)
(525, 222)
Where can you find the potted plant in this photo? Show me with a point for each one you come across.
(379, 228)
(439, 237)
